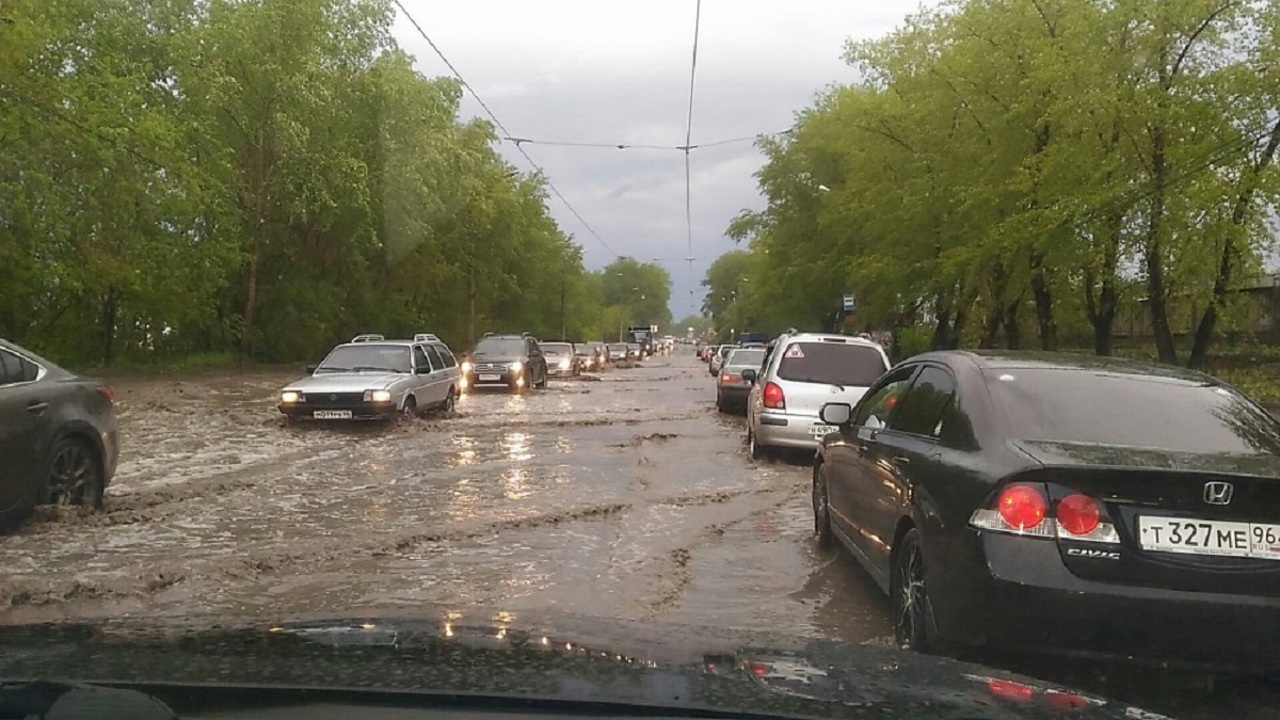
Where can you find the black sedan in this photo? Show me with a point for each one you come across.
(1064, 503)
(58, 438)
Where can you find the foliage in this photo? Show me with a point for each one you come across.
(263, 178)
(1016, 173)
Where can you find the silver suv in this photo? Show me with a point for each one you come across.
(803, 372)
(371, 377)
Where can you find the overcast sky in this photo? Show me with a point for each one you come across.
(617, 71)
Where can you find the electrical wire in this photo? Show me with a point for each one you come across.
(629, 146)
(505, 132)
(688, 142)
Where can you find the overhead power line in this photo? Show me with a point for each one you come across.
(688, 142)
(640, 146)
(506, 134)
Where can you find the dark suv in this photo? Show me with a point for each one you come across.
(512, 360)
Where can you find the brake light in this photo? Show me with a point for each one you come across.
(730, 379)
(108, 393)
(1078, 514)
(1010, 690)
(1021, 506)
(773, 397)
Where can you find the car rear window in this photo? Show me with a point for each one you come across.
(831, 363)
(1141, 411)
(745, 358)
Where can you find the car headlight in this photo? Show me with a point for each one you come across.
(290, 396)
(564, 364)
(466, 366)
(378, 396)
(517, 366)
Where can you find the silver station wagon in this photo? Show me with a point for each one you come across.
(375, 378)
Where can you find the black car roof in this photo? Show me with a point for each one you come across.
(1012, 359)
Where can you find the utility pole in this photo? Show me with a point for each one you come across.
(471, 297)
(564, 334)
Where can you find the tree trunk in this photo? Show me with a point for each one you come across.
(1199, 358)
(942, 330)
(991, 326)
(1012, 329)
(1044, 304)
(1157, 299)
(110, 309)
(957, 325)
(250, 300)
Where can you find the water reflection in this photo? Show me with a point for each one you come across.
(564, 444)
(517, 446)
(515, 484)
(465, 451)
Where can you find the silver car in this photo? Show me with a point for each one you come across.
(372, 378)
(803, 372)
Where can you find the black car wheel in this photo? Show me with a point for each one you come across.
(821, 509)
(75, 475)
(543, 384)
(758, 451)
(908, 599)
(450, 401)
(410, 409)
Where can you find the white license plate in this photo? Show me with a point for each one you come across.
(1209, 537)
(820, 430)
(490, 378)
(331, 414)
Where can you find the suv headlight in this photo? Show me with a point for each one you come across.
(378, 396)
(466, 366)
(290, 396)
(516, 366)
(564, 364)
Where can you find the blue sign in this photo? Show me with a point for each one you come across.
(849, 305)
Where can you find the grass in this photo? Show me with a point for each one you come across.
(186, 364)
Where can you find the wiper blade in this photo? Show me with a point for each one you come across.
(362, 368)
(330, 368)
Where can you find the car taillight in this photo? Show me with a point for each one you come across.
(1078, 514)
(108, 393)
(1021, 506)
(773, 397)
(730, 379)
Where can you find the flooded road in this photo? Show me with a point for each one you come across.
(622, 497)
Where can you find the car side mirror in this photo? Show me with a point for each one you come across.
(749, 375)
(836, 413)
(311, 369)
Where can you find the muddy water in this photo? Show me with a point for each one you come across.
(624, 496)
(619, 499)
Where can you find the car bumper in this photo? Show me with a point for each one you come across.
(1032, 601)
(786, 431)
(559, 371)
(507, 378)
(362, 411)
(731, 395)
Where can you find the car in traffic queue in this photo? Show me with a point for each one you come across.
(588, 357)
(732, 390)
(59, 441)
(372, 378)
(718, 357)
(635, 352)
(1061, 502)
(562, 359)
(802, 372)
(514, 361)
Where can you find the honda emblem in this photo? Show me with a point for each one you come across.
(1218, 493)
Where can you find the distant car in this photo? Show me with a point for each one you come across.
(515, 361)
(1061, 502)
(617, 353)
(376, 379)
(717, 358)
(804, 371)
(635, 352)
(58, 438)
(732, 390)
(588, 357)
(562, 359)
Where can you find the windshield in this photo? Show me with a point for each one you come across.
(367, 357)
(500, 346)
(1130, 410)
(831, 363)
(745, 358)
(556, 349)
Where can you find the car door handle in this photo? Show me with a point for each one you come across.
(37, 408)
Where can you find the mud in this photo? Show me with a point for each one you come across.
(622, 497)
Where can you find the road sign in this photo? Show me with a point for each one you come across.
(849, 304)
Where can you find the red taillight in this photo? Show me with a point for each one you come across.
(1078, 514)
(108, 393)
(729, 379)
(1011, 690)
(773, 397)
(1022, 506)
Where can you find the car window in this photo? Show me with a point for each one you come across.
(367, 357)
(447, 356)
(1131, 410)
(500, 346)
(831, 363)
(420, 357)
(924, 407)
(745, 358)
(531, 347)
(10, 368)
(436, 362)
(877, 407)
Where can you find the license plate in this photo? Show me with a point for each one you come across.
(331, 414)
(490, 378)
(820, 430)
(1209, 537)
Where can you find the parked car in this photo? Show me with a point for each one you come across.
(562, 359)
(732, 390)
(59, 443)
(717, 358)
(515, 361)
(371, 378)
(1061, 502)
(803, 371)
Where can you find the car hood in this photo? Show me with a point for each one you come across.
(815, 678)
(487, 358)
(345, 382)
(1059, 453)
